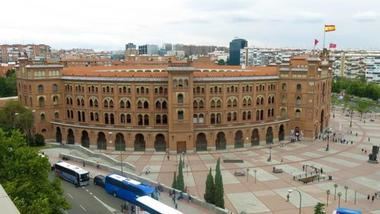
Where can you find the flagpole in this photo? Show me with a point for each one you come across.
(324, 37)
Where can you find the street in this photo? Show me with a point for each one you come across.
(89, 199)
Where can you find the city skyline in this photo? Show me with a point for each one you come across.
(287, 24)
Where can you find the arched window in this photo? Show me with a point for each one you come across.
(128, 104)
(55, 100)
(298, 113)
(146, 104)
(284, 86)
(56, 115)
(180, 114)
(139, 104)
(41, 101)
(180, 98)
(299, 87)
(96, 103)
(146, 120)
(298, 101)
(158, 105)
(219, 104)
(55, 88)
(122, 104)
(164, 105)
(234, 104)
(158, 119)
(42, 117)
(40, 88)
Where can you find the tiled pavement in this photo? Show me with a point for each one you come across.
(346, 163)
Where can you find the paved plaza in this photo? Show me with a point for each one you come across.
(265, 191)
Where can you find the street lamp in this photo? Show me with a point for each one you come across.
(247, 173)
(339, 195)
(255, 174)
(270, 154)
(328, 194)
(345, 194)
(335, 186)
(288, 196)
(352, 111)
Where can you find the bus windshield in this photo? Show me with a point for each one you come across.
(84, 177)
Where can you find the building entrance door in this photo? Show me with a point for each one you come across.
(181, 146)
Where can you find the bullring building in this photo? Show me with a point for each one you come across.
(178, 106)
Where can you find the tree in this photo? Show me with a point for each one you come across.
(319, 208)
(8, 84)
(180, 180)
(24, 175)
(221, 62)
(174, 184)
(219, 189)
(14, 115)
(39, 140)
(210, 189)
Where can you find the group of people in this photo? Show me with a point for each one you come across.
(372, 198)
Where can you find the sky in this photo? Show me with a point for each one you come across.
(109, 25)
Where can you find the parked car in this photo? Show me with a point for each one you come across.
(99, 180)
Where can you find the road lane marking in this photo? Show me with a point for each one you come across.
(70, 195)
(84, 209)
(90, 193)
(112, 210)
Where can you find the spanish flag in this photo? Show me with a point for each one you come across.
(329, 28)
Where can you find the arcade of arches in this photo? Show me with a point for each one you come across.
(204, 141)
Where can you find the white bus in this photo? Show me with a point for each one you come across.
(72, 173)
(153, 206)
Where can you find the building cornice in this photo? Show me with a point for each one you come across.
(157, 79)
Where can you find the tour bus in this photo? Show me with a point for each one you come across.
(72, 173)
(153, 206)
(127, 189)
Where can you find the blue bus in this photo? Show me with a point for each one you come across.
(72, 173)
(127, 189)
(153, 206)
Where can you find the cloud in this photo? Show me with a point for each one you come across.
(367, 16)
(308, 17)
(218, 5)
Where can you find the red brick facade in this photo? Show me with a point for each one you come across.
(179, 106)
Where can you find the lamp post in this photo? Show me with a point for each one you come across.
(355, 197)
(328, 194)
(345, 193)
(247, 173)
(335, 186)
(270, 154)
(351, 113)
(339, 195)
(255, 174)
(288, 196)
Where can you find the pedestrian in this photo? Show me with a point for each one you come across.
(321, 170)
(373, 198)
(303, 167)
(190, 198)
(369, 139)
(368, 197)
(176, 205)
(168, 157)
